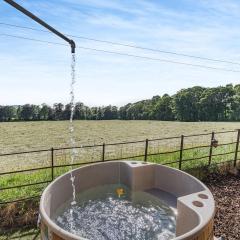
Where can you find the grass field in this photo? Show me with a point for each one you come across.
(26, 136)
(21, 136)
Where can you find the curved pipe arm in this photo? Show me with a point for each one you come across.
(44, 24)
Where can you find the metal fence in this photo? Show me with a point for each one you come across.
(25, 174)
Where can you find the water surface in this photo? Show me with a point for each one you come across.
(100, 214)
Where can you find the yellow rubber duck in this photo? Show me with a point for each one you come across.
(120, 192)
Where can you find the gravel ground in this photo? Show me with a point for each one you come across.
(226, 191)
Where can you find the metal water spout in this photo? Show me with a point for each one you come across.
(44, 24)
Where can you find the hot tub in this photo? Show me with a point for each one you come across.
(187, 196)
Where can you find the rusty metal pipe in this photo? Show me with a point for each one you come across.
(44, 24)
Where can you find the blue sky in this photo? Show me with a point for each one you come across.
(40, 73)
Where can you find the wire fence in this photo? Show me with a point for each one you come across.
(25, 174)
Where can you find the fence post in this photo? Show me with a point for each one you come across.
(146, 151)
(211, 149)
(181, 152)
(236, 150)
(52, 162)
(103, 152)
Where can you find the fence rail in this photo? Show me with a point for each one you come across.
(150, 150)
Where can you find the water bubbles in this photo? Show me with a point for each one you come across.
(99, 215)
(165, 235)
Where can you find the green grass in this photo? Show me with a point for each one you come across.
(45, 175)
(23, 234)
(35, 135)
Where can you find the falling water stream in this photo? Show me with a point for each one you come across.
(71, 132)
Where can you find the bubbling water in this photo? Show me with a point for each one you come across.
(99, 214)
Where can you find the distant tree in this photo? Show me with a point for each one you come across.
(36, 110)
(163, 109)
(29, 112)
(88, 113)
(26, 112)
(140, 110)
(155, 99)
(66, 112)
(216, 103)
(100, 113)
(235, 105)
(8, 113)
(94, 112)
(114, 112)
(19, 109)
(186, 104)
(123, 111)
(107, 112)
(79, 111)
(133, 111)
(235, 113)
(45, 112)
(58, 109)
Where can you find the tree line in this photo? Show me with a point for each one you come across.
(192, 104)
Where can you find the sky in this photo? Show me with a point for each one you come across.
(33, 72)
